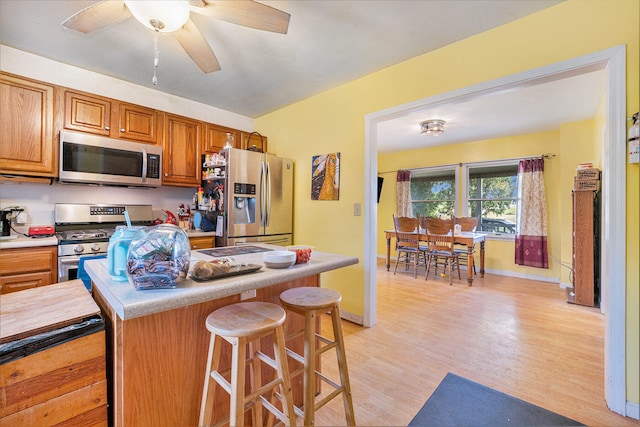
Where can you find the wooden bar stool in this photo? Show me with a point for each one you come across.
(311, 302)
(245, 324)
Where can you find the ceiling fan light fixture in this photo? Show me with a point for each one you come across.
(432, 127)
(163, 16)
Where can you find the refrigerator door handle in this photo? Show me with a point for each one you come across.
(262, 195)
(268, 198)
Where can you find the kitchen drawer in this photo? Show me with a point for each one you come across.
(19, 282)
(28, 260)
(201, 242)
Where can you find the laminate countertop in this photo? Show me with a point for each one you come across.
(129, 303)
(28, 242)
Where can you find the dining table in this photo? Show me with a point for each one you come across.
(467, 238)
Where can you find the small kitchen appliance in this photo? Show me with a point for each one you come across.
(41, 231)
(5, 219)
(83, 230)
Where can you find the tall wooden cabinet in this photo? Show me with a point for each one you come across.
(181, 148)
(586, 242)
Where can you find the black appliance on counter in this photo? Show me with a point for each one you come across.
(83, 230)
(5, 219)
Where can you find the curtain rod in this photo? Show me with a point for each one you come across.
(545, 155)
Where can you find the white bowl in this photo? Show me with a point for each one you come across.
(279, 259)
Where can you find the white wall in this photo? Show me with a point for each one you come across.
(39, 199)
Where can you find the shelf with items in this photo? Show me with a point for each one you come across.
(213, 167)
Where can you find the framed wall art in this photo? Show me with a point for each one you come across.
(325, 177)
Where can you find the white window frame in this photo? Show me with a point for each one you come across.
(464, 201)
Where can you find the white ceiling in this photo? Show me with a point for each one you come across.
(535, 108)
(329, 42)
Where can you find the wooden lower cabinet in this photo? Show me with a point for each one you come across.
(202, 242)
(56, 379)
(157, 362)
(25, 268)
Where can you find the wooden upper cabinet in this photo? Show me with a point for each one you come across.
(138, 123)
(215, 138)
(254, 142)
(27, 140)
(87, 113)
(181, 151)
(108, 117)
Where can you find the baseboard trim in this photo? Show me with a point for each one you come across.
(508, 274)
(633, 410)
(353, 318)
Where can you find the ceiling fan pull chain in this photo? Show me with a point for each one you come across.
(156, 59)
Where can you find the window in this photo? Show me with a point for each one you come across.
(489, 192)
(433, 192)
(492, 196)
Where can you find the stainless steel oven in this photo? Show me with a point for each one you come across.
(83, 230)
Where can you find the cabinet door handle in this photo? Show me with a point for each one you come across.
(107, 128)
(123, 130)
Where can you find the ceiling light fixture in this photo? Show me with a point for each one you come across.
(432, 127)
(161, 17)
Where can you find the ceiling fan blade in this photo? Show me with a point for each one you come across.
(98, 16)
(194, 43)
(247, 13)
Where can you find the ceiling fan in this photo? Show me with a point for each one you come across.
(173, 16)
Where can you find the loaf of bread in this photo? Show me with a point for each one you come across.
(204, 269)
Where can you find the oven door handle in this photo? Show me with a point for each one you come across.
(69, 260)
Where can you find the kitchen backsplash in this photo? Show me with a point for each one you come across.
(40, 199)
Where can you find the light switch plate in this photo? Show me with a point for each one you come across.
(357, 209)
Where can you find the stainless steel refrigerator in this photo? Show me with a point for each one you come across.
(258, 199)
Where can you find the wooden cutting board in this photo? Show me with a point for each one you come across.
(33, 311)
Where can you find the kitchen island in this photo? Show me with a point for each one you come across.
(157, 341)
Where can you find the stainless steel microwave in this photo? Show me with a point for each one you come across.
(93, 159)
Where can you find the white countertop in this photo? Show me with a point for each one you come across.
(130, 303)
(28, 242)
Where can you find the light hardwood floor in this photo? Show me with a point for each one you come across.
(517, 336)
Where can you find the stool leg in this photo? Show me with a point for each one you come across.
(236, 411)
(309, 367)
(342, 365)
(209, 389)
(256, 382)
(286, 393)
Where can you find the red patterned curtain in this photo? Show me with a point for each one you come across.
(403, 193)
(531, 232)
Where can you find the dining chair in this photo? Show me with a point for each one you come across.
(468, 224)
(408, 246)
(440, 239)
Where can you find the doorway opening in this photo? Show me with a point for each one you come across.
(613, 280)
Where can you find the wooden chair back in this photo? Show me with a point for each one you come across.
(467, 223)
(405, 223)
(406, 235)
(440, 235)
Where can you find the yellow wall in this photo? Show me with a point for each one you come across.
(333, 121)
